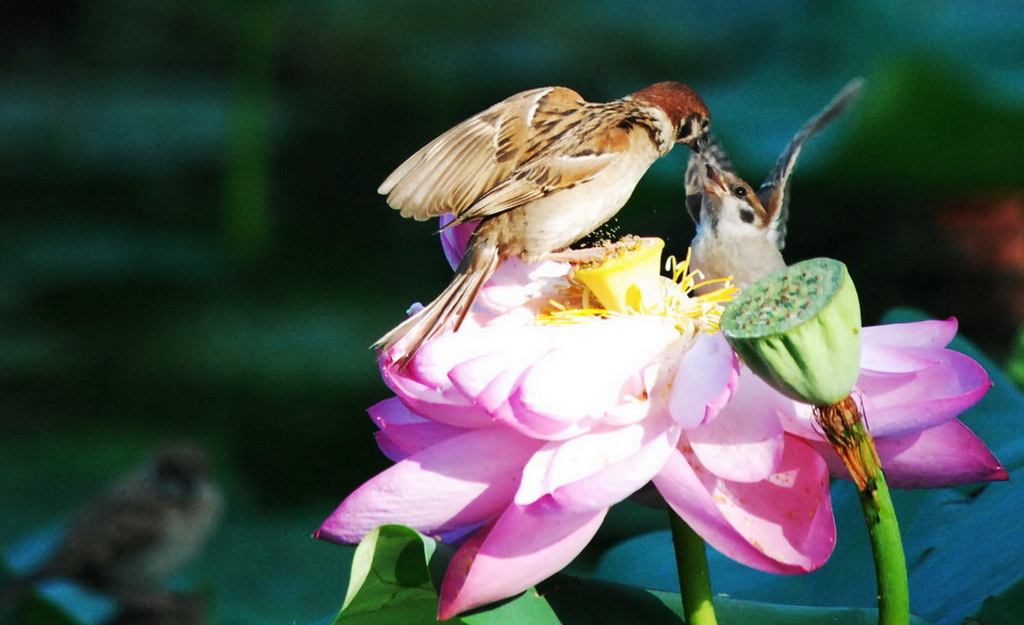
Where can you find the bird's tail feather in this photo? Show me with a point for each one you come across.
(451, 305)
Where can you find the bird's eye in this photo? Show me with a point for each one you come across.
(685, 128)
(739, 192)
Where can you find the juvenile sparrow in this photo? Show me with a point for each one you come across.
(740, 232)
(539, 171)
(140, 532)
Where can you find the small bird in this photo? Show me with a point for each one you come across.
(139, 533)
(740, 232)
(539, 171)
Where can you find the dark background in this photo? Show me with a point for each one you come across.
(191, 244)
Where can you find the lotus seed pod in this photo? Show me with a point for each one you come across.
(628, 277)
(798, 328)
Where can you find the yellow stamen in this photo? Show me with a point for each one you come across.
(628, 282)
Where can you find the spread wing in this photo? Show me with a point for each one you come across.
(478, 158)
(774, 191)
(567, 155)
(711, 152)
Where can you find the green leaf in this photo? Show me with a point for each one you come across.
(392, 583)
(390, 580)
(736, 612)
(1006, 608)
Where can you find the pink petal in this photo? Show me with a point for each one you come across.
(392, 412)
(455, 238)
(946, 455)
(889, 359)
(463, 480)
(704, 380)
(524, 546)
(796, 417)
(594, 366)
(472, 377)
(489, 380)
(436, 358)
(935, 333)
(780, 525)
(403, 433)
(517, 284)
(495, 399)
(909, 402)
(601, 468)
(745, 442)
(391, 449)
(443, 405)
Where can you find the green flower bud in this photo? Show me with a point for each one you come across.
(798, 328)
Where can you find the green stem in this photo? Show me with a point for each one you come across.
(886, 545)
(694, 577)
(843, 426)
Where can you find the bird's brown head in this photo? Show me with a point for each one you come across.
(686, 110)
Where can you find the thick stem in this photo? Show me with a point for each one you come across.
(694, 577)
(887, 548)
(844, 428)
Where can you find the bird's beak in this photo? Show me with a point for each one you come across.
(697, 144)
(711, 175)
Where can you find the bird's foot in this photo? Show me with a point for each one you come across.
(588, 255)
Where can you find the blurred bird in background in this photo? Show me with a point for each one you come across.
(132, 538)
(741, 232)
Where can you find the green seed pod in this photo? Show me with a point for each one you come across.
(798, 328)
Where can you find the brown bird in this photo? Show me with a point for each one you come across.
(539, 171)
(139, 533)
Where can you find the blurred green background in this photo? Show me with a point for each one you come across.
(191, 243)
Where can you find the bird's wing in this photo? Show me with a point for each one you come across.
(568, 155)
(123, 523)
(773, 192)
(711, 152)
(453, 171)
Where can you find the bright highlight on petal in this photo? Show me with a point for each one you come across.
(703, 382)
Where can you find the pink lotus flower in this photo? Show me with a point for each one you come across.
(519, 431)
(522, 435)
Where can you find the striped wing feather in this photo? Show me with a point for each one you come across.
(453, 171)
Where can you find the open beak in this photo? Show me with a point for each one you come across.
(713, 182)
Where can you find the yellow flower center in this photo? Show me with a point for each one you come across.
(628, 281)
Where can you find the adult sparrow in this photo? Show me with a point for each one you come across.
(538, 171)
